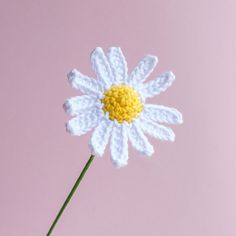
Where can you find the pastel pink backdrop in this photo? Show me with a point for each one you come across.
(186, 188)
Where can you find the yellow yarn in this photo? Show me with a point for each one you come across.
(122, 103)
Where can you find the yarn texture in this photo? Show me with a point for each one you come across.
(114, 105)
(122, 103)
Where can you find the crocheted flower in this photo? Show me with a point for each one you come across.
(115, 105)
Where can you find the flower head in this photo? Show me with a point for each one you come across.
(115, 105)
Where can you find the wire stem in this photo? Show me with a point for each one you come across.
(71, 194)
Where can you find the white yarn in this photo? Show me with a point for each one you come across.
(84, 83)
(162, 114)
(119, 145)
(160, 84)
(157, 131)
(143, 69)
(118, 65)
(88, 112)
(84, 122)
(79, 104)
(100, 136)
(102, 67)
(139, 140)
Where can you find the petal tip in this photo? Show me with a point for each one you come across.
(96, 50)
(181, 121)
(94, 150)
(153, 60)
(119, 164)
(179, 117)
(171, 76)
(172, 137)
(66, 106)
(113, 48)
(149, 152)
(70, 129)
(72, 75)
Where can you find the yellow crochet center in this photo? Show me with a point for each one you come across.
(122, 103)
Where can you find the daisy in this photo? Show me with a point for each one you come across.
(114, 105)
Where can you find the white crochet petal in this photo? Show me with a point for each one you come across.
(162, 114)
(101, 67)
(75, 105)
(160, 84)
(139, 140)
(119, 145)
(100, 136)
(143, 69)
(84, 122)
(84, 83)
(157, 131)
(118, 64)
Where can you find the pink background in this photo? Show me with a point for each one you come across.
(186, 188)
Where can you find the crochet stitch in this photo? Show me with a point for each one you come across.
(122, 103)
(115, 105)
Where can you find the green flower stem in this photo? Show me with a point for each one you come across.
(71, 194)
